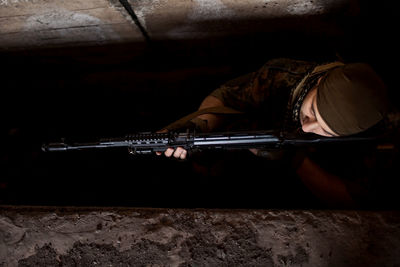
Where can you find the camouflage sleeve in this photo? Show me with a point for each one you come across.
(253, 90)
(234, 93)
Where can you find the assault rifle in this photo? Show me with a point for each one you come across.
(147, 142)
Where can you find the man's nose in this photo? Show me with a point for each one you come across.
(310, 125)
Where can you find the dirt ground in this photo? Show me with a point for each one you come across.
(182, 237)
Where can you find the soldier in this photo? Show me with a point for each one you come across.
(333, 99)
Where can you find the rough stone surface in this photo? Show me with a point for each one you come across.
(32, 236)
(180, 19)
(47, 23)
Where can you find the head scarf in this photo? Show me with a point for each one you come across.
(351, 98)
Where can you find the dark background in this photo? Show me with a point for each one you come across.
(84, 93)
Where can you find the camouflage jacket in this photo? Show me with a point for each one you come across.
(265, 94)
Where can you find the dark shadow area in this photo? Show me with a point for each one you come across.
(85, 93)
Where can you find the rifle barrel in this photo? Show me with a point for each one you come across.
(144, 143)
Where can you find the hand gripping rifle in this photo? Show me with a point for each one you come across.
(147, 143)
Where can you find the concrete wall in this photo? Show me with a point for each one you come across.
(180, 19)
(28, 24)
(50, 23)
(165, 237)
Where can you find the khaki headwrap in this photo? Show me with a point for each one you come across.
(351, 98)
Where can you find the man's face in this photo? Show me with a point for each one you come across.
(310, 119)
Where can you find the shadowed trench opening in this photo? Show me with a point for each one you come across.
(86, 93)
